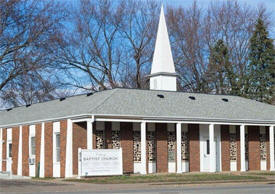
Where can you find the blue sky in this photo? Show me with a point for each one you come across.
(269, 4)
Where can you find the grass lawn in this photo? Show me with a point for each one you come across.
(169, 178)
(261, 173)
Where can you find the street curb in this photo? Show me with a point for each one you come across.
(214, 182)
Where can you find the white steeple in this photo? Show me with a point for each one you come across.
(163, 74)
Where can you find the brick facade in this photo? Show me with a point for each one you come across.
(94, 135)
(63, 138)
(127, 143)
(161, 148)
(49, 149)
(15, 146)
(254, 159)
(225, 147)
(108, 135)
(194, 147)
(79, 141)
(38, 129)
(4, 149)
(25, 150)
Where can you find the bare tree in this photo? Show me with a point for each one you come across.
(194, 31)
(138, 30)
(188, 46)
(26, 31)
(110, 44)
(92, 47)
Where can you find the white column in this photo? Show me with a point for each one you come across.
(19, 165)
(1, 145)
(179, 163)
(143, 147)
(69, 150)
(242, 142)
(271, 146)
(42, 151)
(212, 148)
(89, 134)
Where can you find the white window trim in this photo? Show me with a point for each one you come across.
(31, 134)
(9, 141)
(56, 130)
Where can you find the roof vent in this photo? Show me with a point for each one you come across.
(192, 97)
(28, 105)
(61, 99)
(89, 94)
(9, 109)
(160, 96)
(225, 99)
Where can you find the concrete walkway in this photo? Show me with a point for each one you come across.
(7, 175)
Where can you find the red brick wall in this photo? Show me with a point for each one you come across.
(161, 147)
(38, 128)
(267, 149)
(15, 146)
(25, 150)
(79, 141)
(238, 148)
(94, 135)
(108, 135)
(254, 159)
(194, 147)
(49, 149)
(127, 143)
(63, 138)
(4, 149)
(225, 147)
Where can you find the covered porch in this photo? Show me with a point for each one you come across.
(161, 146)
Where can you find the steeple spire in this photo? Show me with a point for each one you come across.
(163, 74)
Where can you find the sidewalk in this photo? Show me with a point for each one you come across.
(7, 175)
(58, 185)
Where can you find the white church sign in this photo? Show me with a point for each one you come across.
(100, 162)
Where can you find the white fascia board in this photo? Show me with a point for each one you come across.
(140, 118)
(83, 120)
(183, 121)
(47, 120)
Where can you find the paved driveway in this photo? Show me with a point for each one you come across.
(57, 186)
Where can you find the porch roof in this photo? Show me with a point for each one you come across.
(146, 104)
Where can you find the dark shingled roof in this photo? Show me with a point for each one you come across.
(146, 104)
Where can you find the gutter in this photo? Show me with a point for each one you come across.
(144, 117)
(47, 120)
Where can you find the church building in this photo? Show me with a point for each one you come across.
(159, 130)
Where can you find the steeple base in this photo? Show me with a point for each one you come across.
(163, 82)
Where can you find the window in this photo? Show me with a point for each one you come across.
(33, 146)
(57, 139)
(207, 147)
(10, 150)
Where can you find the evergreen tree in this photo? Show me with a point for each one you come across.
(221, 71)
(261, 70)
